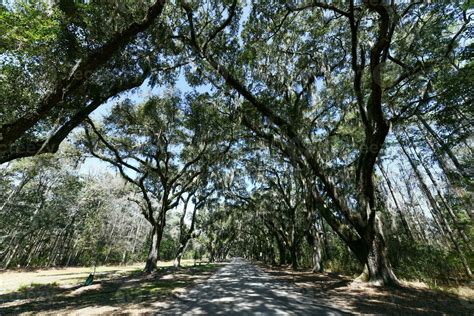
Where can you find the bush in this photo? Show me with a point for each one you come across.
(429, 263)
(342, 260)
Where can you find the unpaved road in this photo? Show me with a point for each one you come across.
(241, 288)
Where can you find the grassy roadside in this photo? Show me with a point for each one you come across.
(362, 298)
(12, 280)
(126, 292)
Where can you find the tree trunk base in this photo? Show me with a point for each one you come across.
(364, 276)
(150, 266)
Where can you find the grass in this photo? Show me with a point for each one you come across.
(32, 286)
(13, 280)
(125, 290)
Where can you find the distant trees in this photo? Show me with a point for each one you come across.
(52, 216)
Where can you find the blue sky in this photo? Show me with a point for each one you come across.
(137, 96)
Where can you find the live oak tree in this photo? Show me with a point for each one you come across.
(53, 216)
(64, 62)
(164, 148)
(360, 56)
(195, 200)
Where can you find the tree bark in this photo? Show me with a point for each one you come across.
(314, 241)
(312, 234)
(154, 250)
(179, 254)
(294, 256)
(281, 253)
(379, 267)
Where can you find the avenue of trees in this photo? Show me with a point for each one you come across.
(324, 135)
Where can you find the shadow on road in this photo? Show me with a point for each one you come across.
(241, 288)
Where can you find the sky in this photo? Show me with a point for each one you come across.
(137, 96)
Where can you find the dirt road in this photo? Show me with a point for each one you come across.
(240, 288)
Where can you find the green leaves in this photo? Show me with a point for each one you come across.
(28, 28)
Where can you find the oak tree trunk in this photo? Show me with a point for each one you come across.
(179, 254)
(379, 268)
(154, 252)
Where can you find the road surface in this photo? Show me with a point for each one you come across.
(241, 288)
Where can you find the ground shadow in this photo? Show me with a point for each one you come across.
(362, 298)
(241, 288)
(82, 273)
(137, 289)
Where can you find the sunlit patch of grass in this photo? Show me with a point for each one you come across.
(211, 267)
(465, 291)
(129, 288)
(24, 287)
(35, 286)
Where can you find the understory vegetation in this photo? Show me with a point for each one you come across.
(330, 136)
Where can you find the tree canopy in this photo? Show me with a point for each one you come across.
(301, 132)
